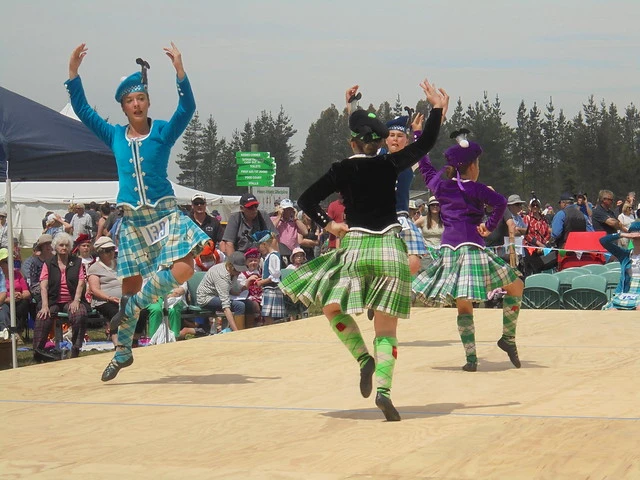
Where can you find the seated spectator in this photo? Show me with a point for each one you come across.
(252, 257)
(242, 224)
(175, 303)
(21, 294)
(4, 230)
(62, 283)
(627, 294)
(208, 257)
(42, 252)
(603, 216)
(83, 248)
(106, 287)
(217, 286)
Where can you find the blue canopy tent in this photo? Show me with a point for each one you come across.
(40, 144)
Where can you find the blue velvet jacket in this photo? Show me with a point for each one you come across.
(142, 163)
(623, 256)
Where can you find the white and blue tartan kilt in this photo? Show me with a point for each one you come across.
(273, 303)
(414, 240)
(468, 272)
(369, 270)
(628, 300)
(135, 257)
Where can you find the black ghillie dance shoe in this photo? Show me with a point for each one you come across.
(511, 350)
(113, 368)
(366, 377)
(384, 404)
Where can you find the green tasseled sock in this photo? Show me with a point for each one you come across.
(467, 332)
(386, 352)
(348, 332)
(510, 312)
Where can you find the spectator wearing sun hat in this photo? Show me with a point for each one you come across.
(288, 225)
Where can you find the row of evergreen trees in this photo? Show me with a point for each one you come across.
(545, 152)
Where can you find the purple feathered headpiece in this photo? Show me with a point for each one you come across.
(462, 153)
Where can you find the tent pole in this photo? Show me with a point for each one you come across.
(11, 292)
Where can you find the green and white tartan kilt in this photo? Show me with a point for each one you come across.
(369, 270)
(135, 257)
(626, 301)
(468, 272)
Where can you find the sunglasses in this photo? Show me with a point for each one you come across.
(108, 250)
(252, 207)
(198, 203)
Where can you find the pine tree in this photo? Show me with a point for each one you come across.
(190, 161)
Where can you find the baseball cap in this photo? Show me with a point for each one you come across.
(248, 200)
(419, 202)
(44, 238)
(238, 261)
(566, 197)
(198, 196)
(4, 254)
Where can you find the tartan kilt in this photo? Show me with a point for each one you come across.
(369, 270)
(468, 272)
(626, 301)
(135, 257)
(273, 303)
(414, 240)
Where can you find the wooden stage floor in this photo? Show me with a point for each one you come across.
(282, 402)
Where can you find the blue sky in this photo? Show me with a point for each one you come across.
(247, 56)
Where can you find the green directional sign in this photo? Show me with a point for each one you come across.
(255, 161)
(264, 173)
(258, 166)
(254, 183)
(253, 176)
(253, 154)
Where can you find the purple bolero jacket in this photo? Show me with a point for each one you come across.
(462, 211)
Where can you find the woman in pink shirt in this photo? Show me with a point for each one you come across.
(21, 291)
(62, 283)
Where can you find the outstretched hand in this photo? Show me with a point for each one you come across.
(437, 97)
(348, 94)
(176, 58)
(417, 122)
(76, 59)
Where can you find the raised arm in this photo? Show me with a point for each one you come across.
(186, 102)
(85, 113)
(439, 100)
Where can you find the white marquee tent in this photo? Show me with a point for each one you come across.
(31, 201)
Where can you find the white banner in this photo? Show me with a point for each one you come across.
(268, 196)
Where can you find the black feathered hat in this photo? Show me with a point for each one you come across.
(366, 126)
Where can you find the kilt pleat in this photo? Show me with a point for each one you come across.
(468, 272)
(367, 271)
(135, 257)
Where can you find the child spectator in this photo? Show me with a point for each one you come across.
(295, 310)
(252, 257)
(272, 298)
